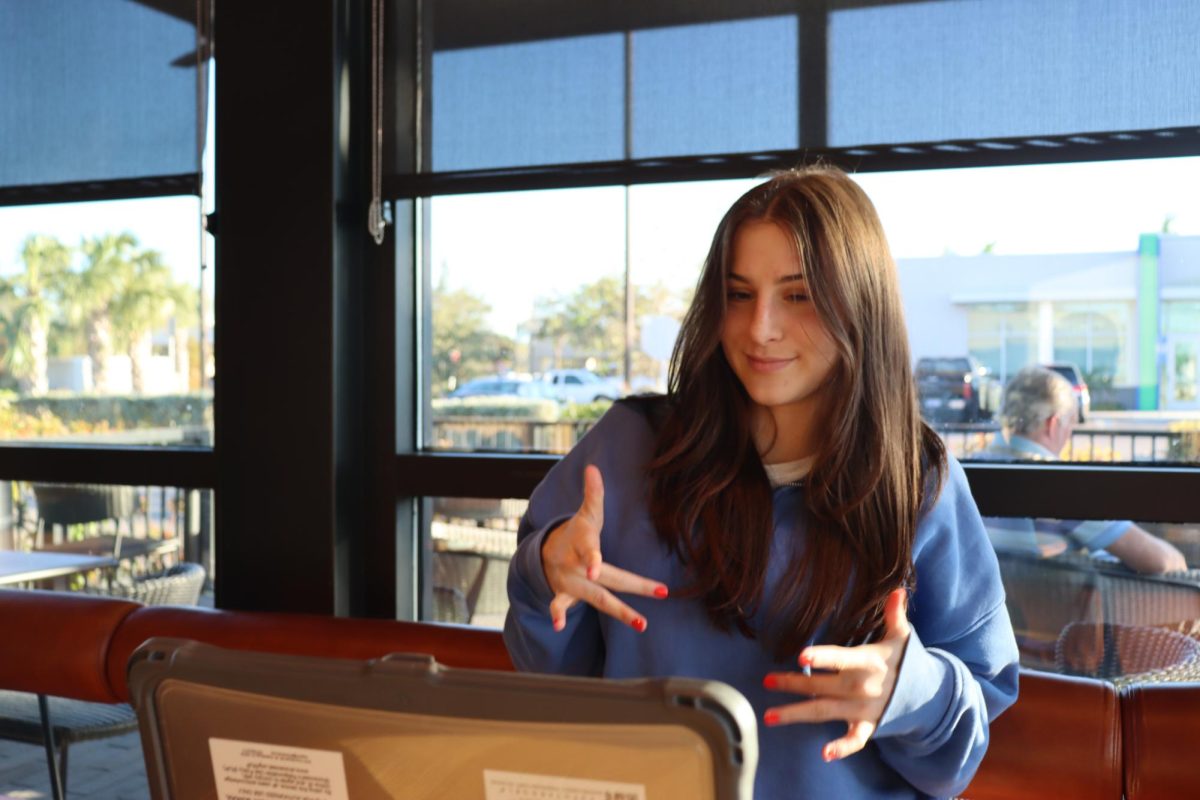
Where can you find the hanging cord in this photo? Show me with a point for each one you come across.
(375, 219)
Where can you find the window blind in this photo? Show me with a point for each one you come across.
(98, 90)
(530, 83)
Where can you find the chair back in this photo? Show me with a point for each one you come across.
(1062, 739)
(179, 585)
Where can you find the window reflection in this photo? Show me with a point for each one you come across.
(1085, 612)
(106, 539)
(470, 542)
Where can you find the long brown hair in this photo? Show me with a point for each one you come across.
(876, 463)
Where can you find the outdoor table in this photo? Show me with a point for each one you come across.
(20, 567)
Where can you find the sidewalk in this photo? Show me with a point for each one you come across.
(107, 769)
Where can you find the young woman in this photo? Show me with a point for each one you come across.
(782, 520)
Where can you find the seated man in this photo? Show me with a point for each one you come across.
(1038, 416)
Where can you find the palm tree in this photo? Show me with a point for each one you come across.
(90, 294)
(145, 302)
(31, 298)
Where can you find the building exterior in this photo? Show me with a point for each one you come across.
(1129, 320)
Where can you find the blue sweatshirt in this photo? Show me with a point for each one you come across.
(959, 669)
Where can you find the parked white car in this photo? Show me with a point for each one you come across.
(580, 386)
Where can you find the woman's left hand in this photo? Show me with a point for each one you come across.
(854, 683)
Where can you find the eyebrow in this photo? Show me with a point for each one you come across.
(733, 276)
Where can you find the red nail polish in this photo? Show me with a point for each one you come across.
(770, 682)
(559, 624)
(638, 624)
(828, 754)
(771, 717)
(805, 660)
(660, 592)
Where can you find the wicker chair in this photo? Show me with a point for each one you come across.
(1127, 654)
(1045, 595)
(179, 585)
(56, 722)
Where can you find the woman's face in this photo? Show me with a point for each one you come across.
(771, 335)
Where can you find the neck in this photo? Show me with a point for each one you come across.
(784, 433)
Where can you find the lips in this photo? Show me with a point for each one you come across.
(759, 364)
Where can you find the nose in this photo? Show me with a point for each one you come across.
(764, 324)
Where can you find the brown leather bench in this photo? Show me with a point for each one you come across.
(1064, 738)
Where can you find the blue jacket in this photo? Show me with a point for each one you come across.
(959, 669)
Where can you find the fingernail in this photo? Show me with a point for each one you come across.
(829, 754)
(660, 592)
(770, 682)
(805, 659)
(559, 624)
(771, 717)
(593, 573)
(638, 624)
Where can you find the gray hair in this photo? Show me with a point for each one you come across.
(1034, 395)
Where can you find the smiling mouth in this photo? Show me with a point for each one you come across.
(768, 364)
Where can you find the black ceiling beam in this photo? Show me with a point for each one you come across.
(1014, 151)
(480, 474)
(1065, 491)
(190, 467)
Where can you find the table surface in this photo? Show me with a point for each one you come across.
(19, 567)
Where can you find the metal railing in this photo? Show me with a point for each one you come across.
(962, 439)
(1102, 445)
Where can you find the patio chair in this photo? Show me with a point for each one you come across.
(78, 504)
(468, 584)
(56, 722)
(65, 505)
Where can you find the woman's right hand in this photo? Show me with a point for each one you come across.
(576, 571)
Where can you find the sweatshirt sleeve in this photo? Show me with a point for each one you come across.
(960, 666)
(615, 445)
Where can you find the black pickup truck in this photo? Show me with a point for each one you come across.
(956, 389)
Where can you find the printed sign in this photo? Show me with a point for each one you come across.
(524, 786)
(257, 771)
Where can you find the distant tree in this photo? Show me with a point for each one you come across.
(591, 322)
(89, 297)
(29, 305)
(146, 299)
(463, 345)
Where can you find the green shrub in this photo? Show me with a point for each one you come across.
(496, 406)
(89, 413)
(584, 412)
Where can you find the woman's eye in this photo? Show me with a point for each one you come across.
(797, 297)
(738, 295)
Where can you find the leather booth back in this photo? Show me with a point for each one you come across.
(1162, 741)
(1062, 739)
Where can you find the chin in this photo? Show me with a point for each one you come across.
(770, 397)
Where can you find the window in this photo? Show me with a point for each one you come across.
(1024, 235)
(106, 323)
